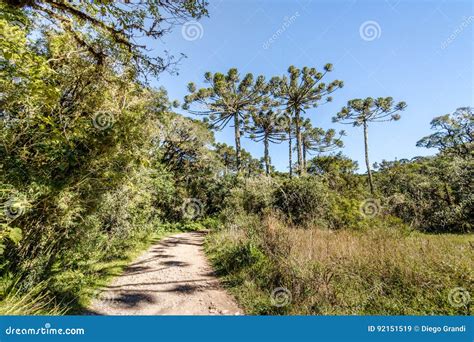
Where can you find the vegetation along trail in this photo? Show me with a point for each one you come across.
(98, 159)
(172, 278)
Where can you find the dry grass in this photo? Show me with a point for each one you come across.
(379, 271)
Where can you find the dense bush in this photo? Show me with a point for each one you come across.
(307, 202)
(304, 201)
(88, 172)
(431, 194)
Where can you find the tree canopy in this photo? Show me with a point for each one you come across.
(300, 90)
(229, 98)
(454, 132)
(359, 112)
(111, 29)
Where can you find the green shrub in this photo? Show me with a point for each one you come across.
(431, 194)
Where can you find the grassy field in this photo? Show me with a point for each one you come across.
(272, 268)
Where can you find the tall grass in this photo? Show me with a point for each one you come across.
(379, 271)
(35, 301)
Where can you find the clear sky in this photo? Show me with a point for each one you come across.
(417, 51)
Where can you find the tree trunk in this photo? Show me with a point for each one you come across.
(367, 163)
(299, 144)
(304, 157)
(226, 163)
(266, 156)
(237, 141)
(290, 152)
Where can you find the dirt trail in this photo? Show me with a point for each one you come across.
(172, 278)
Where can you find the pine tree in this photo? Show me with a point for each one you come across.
(300, 90)
(359, 112)
(228, 99)
(266, 128)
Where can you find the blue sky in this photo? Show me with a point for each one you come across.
(417, 51)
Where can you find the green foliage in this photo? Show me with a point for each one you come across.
(454, 133)
(88, 169)
(303, 200)
(315, 139)
(300, 90)
(108, 30)
(34, 301)
(235, 257)
(306, 201)
(360, 111)
(227, 158)
(95, 165)
(431, 194)
(228, 98)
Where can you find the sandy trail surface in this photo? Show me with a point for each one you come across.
(172, 278)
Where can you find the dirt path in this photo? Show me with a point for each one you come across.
(172, 278)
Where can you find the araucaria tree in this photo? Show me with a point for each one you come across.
(266, 128)
(300, 90)
(318, 140)
(359, 112)
(227, 99)
(285, 122)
